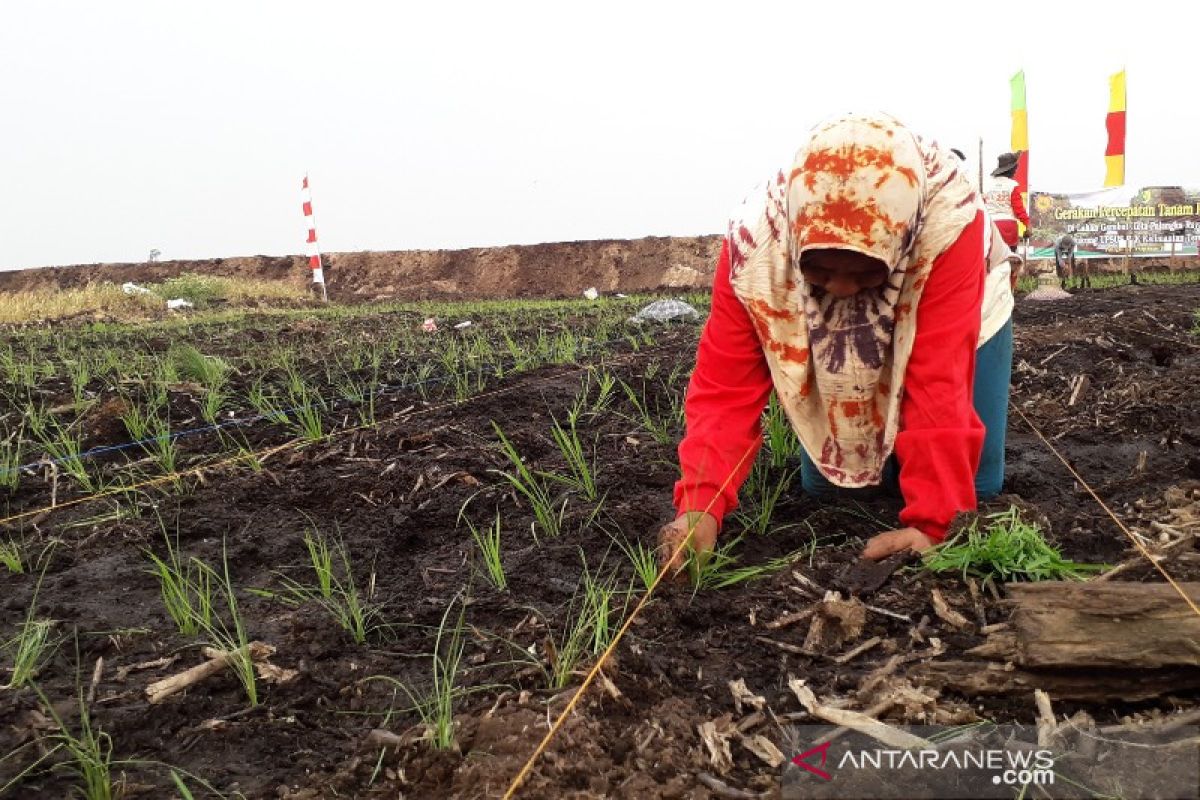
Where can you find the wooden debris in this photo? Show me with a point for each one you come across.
(1143, 625)
(1161, 726)
(887, 613)
(1002, 645)
(858, 651)
(715, 734)
(609, 687)
(765, 749)
(854, 720)
(1079, 385)
(791, 619)
(835, 621)
(752, 721)
(742, 696)
(269, 673)
(721, 789)
(96, 673)
(972, 678)
(787, 648)
(218, 660)
(946, 613)
(378, 737)
(1046, 724)
(1158, 553)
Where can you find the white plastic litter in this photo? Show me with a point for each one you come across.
(666, 311)
(429, 325)
(178, 303)
(462, 325)
(133, 288)
(591, 294)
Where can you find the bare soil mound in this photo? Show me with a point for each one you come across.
(558, 269)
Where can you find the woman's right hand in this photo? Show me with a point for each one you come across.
(704, 529)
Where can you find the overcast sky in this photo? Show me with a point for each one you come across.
(128, 126)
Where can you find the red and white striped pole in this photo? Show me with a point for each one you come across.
(312, 250)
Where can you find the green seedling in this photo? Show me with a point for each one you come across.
(89, 752)
(718, 569)
(761, 495)
(487, 542)
(435, 706)
(10, 557)
(580, 462)
(643, 560)
(30, 648)
(231, 637)
(1007, 549)
(185, 586)
(782, 445)
(338, 595)
(548, 513)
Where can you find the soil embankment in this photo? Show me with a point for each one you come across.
(556, 269)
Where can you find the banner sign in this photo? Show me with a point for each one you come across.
(1152, 222)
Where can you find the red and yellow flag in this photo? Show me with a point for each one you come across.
(1114, 154)
(1020, 133)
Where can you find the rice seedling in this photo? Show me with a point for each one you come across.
(10, 557)
(11, 459)
(782, 445)
(656, 421)
(308, 415)
(643, 559)
(361, 395)
(1008, 549)
(718, 569)
(191, 364)
(28, 650)
(435, 705)
(185, 586)
(588, 629)
(338, 594)
(581, 464)
(80, 374)
(89, 752)
(761, 495)
(548, 513)
(606, 384)
(65, 448)
(139, 420)
(267, 403)
(320, 557)
(231, 637)
(487, 542)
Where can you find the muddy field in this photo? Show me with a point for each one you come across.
(1109, 377)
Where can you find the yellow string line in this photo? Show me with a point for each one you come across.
(270, 451)
(595, 670)
(1132, 537)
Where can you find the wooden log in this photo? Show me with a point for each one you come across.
(218, 660)
(979, 678)
(1123, 625)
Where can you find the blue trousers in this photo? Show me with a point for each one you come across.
(993, 370)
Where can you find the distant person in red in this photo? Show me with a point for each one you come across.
(1002, 197)
(854, 285)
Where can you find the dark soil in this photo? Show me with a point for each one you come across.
(394, 496)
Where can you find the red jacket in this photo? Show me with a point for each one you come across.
(940, 436)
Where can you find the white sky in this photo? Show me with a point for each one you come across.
(126, 126)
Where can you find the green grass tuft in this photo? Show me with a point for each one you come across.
(1007, 549)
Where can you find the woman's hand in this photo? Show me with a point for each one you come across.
(886, 544)
(704, 529)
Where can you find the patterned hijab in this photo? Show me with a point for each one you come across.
(866, 184)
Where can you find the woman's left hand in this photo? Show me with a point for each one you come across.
(886, 544)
